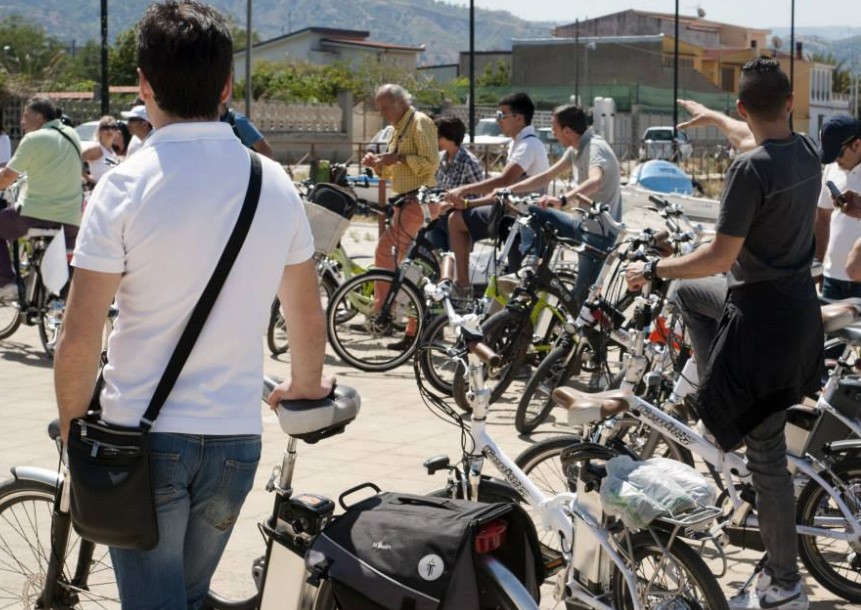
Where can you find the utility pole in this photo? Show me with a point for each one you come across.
(676, 85)
(105, 93)
(472, 71)
(248, 60)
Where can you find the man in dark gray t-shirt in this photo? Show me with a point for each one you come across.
(767, 352)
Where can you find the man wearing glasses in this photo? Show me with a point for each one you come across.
(840, 150)
(526, 157)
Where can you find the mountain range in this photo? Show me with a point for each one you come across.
(441, 26)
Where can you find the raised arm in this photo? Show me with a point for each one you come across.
(737, 132)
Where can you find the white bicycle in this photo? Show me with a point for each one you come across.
(608, 562)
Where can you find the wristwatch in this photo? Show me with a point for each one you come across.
(563, 201)
(650, 269)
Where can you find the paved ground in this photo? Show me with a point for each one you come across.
(386, 444)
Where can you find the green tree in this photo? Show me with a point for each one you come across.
(496, 74)
(28, 56)
(123, 60)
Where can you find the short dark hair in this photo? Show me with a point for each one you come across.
(764, 88)
(451, 128)
(185, 51)
(571, 116)
(43, 106)
(520, 103)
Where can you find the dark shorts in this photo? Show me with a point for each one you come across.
(477, 221)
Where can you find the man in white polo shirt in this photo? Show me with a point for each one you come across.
(153, 232)
(139, 126)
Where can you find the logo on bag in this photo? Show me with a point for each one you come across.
(431, 567)
(381, 546)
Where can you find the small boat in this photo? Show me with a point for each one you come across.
(668, 181)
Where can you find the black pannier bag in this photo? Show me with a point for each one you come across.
(334, 198)
(399, 551)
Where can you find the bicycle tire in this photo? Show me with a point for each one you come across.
(540, 462)
(536, 403)
(690, 578)
(26, 507)
(276, 331)
(437, 368)
(50, 317)
(371, 341)
(829, 564)
(508, 333)
(10, 319)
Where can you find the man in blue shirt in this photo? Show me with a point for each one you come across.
(244, 130)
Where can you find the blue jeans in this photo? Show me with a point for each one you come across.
(568, 225)
(200, 483)
(839, 289)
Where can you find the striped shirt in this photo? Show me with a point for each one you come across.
(465, 168)
(414, 137)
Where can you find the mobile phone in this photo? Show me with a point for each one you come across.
(839, 199)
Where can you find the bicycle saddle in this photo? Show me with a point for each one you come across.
(586, 408)
(314, 420)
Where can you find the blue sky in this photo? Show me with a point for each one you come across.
(751, 13)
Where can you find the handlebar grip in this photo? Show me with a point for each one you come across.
(446, 267)
(661, 236)
(659, 201)
(485, 354)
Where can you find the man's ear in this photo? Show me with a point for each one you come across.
(742, 112)
(144, 88)
(227, 91)
(790, 103)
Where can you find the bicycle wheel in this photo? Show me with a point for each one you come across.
(597, 364)
(833, 563)
(376, 340)
(276, 333)
(51, 309)
(508, 333)
(10, 319)
(26, 508)
(674, 577)
(646, 442)
(536, 403)
(542, 464)
(436, 366)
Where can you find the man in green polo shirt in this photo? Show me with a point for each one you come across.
(50, 156)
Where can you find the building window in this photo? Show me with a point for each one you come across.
(727, 79)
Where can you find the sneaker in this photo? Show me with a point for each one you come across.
(8, 293)
(775, 597)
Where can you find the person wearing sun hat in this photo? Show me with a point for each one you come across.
(139, 125)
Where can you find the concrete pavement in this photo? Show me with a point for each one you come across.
(387, 443)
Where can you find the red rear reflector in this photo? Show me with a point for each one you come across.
(490, 536)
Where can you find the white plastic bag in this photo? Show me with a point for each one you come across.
(638, 492)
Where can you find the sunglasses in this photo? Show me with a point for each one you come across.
(501, 115)
(108, 128)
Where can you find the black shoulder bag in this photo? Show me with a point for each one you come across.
(112, 499)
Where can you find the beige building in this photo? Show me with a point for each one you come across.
(320, 45)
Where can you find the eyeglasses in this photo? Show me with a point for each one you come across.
(501, 115)
(108, 127)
